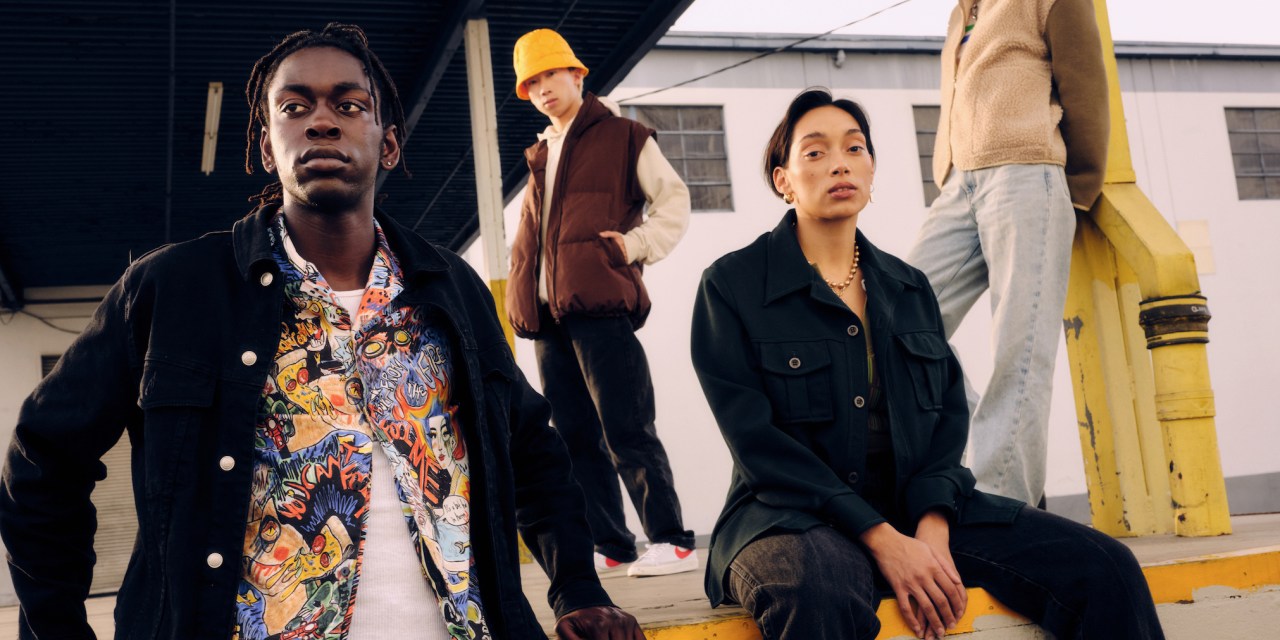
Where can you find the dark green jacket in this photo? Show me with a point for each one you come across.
(783, 363)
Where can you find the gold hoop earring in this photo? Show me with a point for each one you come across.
(788, 198)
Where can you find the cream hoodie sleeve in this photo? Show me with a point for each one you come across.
(668, 215)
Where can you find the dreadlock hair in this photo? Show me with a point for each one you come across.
(346, 37)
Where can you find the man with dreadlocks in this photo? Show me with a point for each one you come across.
(331, 439)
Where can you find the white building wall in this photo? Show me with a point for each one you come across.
(1183, 160)
(1181, 155)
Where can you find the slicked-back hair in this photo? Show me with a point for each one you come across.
(779, 147)
(345, 37)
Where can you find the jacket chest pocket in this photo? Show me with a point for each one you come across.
(798, 379)
(174, 399)
(926, 358)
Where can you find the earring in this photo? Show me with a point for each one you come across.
(788, 198)
(389, 163)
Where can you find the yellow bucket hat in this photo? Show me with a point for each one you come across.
(541, 50)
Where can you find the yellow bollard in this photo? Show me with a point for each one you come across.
(1136, 326)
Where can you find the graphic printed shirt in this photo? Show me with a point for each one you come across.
(340, 387)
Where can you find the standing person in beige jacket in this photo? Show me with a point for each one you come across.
(1021, 147)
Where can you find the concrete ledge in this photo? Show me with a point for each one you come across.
(1223, 587)
(1201, 579)
(1211, 571)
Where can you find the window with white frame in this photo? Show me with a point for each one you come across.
(926, 118)
(692, 139)
(1255, 152)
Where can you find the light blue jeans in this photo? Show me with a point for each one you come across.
(1008, 229)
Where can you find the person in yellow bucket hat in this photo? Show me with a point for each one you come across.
(576, 290)
(539, 51)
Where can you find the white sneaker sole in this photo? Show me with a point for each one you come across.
(680, 566)
(609, 571)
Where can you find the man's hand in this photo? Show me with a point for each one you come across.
(622, 245)
(598, 623)
(916, 576)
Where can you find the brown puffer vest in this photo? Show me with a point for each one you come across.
(596, 190)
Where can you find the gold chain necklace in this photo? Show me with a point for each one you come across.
(853, 270)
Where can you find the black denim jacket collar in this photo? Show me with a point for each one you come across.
(251, 239)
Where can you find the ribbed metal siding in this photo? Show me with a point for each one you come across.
(85, 167)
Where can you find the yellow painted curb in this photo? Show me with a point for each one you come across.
(739, 628)
(1170, 582)
(892, 625)
(1178, 580)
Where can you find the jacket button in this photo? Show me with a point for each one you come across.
(859, 401)
(853, 330)
(853, 477)
(794, 363)
(214, 560)
(227, 463)
(266, 279)
(248, 358)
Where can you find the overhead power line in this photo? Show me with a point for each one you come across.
(766, 53)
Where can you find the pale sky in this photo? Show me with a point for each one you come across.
(1216, 21)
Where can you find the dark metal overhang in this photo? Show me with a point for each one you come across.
(87, 160)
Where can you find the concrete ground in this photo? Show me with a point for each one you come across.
(1205, 589)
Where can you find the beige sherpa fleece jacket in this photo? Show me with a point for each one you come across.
(1029, 87)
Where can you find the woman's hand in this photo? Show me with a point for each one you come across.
(917, 576)
(935, 531)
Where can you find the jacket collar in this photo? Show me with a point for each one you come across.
(253, 243)
(591, 112)
(789, 271)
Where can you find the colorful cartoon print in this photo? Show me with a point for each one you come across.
(340, 388)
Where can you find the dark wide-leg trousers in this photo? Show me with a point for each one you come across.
(596, 377)
(1071, 580)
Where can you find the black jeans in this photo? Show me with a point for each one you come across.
(1071, 580)
(595, 374)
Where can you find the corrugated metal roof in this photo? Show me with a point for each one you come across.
(85, 162)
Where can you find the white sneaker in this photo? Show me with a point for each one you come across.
(664, 559)
(606, 565)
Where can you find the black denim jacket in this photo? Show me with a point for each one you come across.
(176, 356)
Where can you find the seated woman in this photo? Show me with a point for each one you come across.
(824, 362)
